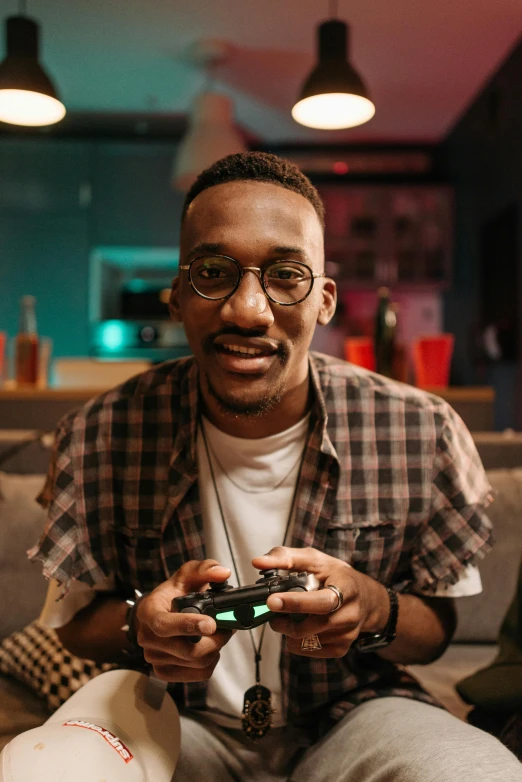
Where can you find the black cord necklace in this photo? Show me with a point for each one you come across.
(256, 718)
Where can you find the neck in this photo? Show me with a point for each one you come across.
(289, 411)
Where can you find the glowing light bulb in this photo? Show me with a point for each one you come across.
(333, 111)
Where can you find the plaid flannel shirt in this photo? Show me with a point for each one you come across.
(391, 482)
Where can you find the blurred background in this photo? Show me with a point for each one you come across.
(423, 198)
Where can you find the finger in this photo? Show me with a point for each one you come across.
(167, 624)
(311, 626)
(180, 673)
(300, 559)
(195, 575)
(323, 601)
(162, 658)
(331, 628)
(186, 650)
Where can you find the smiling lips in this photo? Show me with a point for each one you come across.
(245, 355)
(242, 350)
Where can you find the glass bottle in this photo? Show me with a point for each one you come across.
(26, 344)
(384, 334)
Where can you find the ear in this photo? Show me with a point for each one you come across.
(175, 312)
(329, 301)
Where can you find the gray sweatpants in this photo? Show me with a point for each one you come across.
(384, 740)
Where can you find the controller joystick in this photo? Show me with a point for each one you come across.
(218, 586)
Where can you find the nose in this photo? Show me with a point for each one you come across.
(248, 307)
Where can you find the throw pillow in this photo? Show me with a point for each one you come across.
(36, 657)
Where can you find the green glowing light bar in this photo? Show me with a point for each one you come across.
(226, 616)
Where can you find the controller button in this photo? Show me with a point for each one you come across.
(268, 573)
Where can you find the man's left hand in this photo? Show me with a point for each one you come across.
(364, 608)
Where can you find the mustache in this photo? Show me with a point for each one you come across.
(282, 350)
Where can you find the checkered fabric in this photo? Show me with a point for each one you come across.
(391, 482)
(36, 657)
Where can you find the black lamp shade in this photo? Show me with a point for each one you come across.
(21, 70)
(333, 72)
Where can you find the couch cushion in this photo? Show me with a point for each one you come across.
(480, 616)
(25, 451)
(36, 657)
(458, 661)
(22, 520)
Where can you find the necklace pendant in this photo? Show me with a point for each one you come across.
(257, 712)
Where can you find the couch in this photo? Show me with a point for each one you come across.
(23, 587)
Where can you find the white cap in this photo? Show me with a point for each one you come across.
(105, 731)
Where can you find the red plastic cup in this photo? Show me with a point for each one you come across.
(360, 351)
(432, 360)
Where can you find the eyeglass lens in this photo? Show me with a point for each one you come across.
(286, 282)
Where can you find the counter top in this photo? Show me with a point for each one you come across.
(450, 394)
(29, 393)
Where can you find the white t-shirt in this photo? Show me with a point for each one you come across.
(256, 482)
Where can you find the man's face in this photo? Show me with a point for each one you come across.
(256, 224)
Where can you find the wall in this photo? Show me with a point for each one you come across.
(482, 158)
(58, 199)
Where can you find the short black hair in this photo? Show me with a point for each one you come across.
(256, 167)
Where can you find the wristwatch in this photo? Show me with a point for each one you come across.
(369, 642)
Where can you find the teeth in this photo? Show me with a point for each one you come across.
(244, 350)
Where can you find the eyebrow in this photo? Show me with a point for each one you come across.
(219, 249)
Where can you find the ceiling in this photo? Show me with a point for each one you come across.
(423, 61)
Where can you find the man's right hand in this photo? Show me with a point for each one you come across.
(163, 635)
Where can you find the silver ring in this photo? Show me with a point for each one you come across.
(311, 644)
(340, 598)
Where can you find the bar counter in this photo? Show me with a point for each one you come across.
(35, 408)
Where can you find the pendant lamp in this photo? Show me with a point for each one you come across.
(27, 95)
(211, 136)
(333, 96)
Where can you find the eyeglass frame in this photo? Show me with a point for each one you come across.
(242, 270)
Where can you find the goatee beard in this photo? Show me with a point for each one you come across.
(238, 409)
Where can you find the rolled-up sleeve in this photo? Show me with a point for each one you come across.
(64, 546)
(458, 531)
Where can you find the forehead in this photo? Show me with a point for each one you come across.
(257, 211)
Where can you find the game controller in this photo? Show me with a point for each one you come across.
(242, 608)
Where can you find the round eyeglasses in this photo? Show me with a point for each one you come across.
(217, 277)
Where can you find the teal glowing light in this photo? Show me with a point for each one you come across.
(112, 336)
(258, 610)
(226, 616)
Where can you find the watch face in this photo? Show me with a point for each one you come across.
(369, 643)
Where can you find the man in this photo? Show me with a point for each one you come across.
(189, 473)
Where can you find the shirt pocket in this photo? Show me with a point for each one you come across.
(139, 558)
(371, 545)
